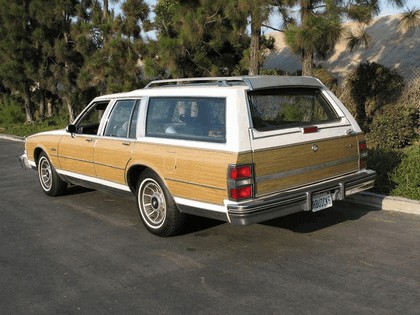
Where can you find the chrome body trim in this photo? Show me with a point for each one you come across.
(24, 162)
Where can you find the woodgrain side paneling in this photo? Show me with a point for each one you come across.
(111, 158)
(190, 173)
(76, 154)
(47, 143)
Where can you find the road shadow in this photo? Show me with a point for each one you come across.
(196, 224)
(301, 222)
(307, 222)
(77, 190)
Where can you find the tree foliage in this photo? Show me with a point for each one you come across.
(69, 50)
(59, 54)
(197, 38)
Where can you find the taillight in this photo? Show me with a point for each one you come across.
(363, 153)
(241, 192)
(240, 182)
(239, 172)
(309, 129)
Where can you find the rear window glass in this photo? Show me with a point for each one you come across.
(289, 107)
(188, 118)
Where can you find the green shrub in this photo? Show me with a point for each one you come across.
(373, 85)
(384, 162)
(407, 175)
(394, 128)
(10, 111)
(326, 77)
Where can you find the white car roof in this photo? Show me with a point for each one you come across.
(239, 82)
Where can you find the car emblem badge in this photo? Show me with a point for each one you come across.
(315, 148)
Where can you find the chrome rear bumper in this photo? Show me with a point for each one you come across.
(284, 203)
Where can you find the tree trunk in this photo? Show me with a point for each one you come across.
(29, 111)
(307, 63)
(254, 54)
(49, 109)
(69, 109)
(42, 106)
(307, 56)
(105, 12)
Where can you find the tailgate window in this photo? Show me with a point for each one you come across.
(280, 108)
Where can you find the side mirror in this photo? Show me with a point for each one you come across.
(71, 128)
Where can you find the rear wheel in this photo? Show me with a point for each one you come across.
(156, 207)
(50, 182)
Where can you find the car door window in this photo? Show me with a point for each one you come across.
(122, 121)
(89, 123)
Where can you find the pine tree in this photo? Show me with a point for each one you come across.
(197, 38)
(113, 47)
(18, 56)
(257, 12)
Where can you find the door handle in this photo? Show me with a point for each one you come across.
(89, 140)
(126, 143)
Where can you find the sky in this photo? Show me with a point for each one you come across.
(386, 9)
(385, 6)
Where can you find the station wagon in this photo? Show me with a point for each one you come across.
(238, 149)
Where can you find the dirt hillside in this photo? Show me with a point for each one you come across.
(389, 46)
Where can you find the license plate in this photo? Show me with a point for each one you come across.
(321, 201)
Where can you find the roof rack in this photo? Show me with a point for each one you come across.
(219, 81)
(253, 82)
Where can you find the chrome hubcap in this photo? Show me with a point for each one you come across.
(45, 174)
(153, 203)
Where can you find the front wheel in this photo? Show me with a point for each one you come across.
(156, 207)
(50, 182)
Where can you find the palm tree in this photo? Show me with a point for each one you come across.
(358, 39)
(319, 25)
(410, 19)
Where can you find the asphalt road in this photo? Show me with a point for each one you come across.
(88, 253)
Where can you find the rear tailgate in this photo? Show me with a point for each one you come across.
(291, 166)
(300, 136)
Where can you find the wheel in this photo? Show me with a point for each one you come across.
(156, 207)
(50, 182)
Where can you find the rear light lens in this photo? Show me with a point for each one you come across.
(363, 153)
(309, 129)
(240, 180)
(239, 193)
(240, 172)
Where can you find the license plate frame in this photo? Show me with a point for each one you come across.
(321, 201)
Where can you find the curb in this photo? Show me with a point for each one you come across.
(12, 138)
(386, 202)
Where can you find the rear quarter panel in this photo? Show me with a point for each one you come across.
(192, 173)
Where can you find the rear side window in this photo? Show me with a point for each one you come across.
(122, 121)
(189, 118)
(289, 107)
